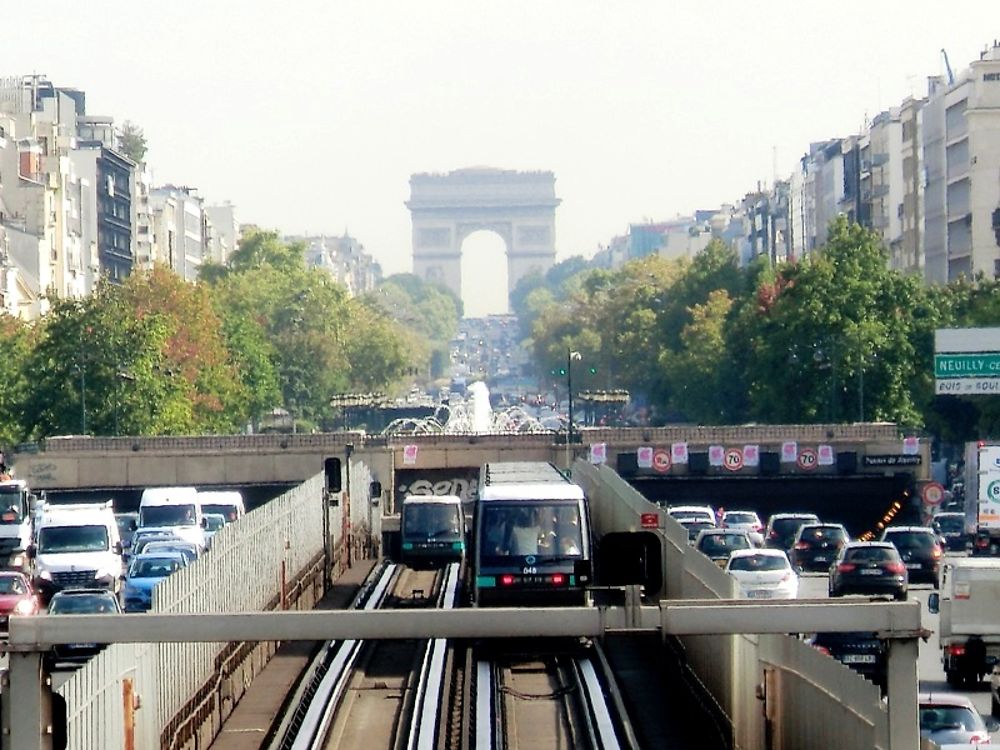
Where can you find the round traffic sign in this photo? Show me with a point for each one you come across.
(661, 460)
(807, 460)
(932, 493)
(733, 460)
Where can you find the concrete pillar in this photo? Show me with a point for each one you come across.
(27, 703)
(904, 726)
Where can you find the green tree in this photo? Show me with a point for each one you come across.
(132, 142)
(837, 331)
(697, 371)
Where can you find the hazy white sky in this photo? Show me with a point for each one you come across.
(311, 115)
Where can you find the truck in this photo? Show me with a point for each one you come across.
(16, 524)
(982, 496)
(76, 546)
(968, 608)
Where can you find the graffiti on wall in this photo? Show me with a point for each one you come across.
(463, 482)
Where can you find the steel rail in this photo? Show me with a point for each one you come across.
(321, 708)
(424, 719)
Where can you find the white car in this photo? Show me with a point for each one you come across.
(745, 520)
(763, 574)
(692, 512)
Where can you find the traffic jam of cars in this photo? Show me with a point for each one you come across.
(72, 558)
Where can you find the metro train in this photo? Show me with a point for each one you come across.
(432, 530)
(531, 538)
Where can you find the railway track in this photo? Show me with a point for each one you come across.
(561, 699)
(437, 695)
(378, 694)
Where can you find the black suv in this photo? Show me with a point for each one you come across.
(865, 653)
(869, 568)
(816, 546)
(920, 549)
(782, 527)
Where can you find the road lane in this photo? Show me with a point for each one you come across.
(929, 670)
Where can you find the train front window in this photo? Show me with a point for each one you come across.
(433, 521)
(541, 530)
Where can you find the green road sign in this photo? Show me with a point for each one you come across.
(985, 365)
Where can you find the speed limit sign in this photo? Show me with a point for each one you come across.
(733, 459)
(807, 460)
(932, 493)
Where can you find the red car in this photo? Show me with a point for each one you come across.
(16, 596)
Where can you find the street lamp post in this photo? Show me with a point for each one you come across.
(570, 356)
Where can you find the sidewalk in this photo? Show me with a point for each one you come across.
(247, 727)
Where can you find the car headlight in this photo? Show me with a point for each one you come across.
(104, 575)
(24, 607)
(45, 575)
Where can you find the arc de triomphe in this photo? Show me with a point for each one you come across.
(447, 208)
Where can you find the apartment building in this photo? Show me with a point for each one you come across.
(345, 259)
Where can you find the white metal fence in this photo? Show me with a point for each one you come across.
(137, 689)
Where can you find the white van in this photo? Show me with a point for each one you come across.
(76, 546)
(228, 503)
(175, 508)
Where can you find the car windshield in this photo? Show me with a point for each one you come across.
(157, 567)
(821, 534)
(871, 554)
(189, 553)
(788, 526)
(12, 585)
(63, 539)
(226, 510)
(740, 518)
(167, 515)
(911, 539)
(950, 523)
(935, 718)
(432, 520)
(214, 522)
(12, 508)
(82, 604)
(758, 563)
(538, 529)
(723, 542)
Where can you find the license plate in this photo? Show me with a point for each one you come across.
(912, 566)
(758, 594)
(871, 572)
(858, 658)
(820, 558)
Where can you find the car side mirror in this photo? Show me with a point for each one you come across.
(133, 524)
(204, 522)
(31, 552)
(117, 548)
(933, 603)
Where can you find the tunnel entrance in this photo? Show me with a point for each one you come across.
(859, 502)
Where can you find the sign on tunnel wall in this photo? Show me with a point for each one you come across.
(463, 482)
